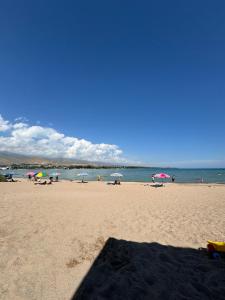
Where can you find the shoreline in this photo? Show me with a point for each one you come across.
(208, 176)
(22, 179)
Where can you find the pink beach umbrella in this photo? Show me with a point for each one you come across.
(161, 175)
(30, 174)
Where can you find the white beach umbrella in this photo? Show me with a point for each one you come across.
(116, 175)
(82, 174)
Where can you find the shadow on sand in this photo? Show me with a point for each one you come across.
(131, 270)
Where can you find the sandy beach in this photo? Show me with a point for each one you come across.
(50, 237)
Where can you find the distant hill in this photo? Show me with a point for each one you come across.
(7, 158)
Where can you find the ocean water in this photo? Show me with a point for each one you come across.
(140, 174)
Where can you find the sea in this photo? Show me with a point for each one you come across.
(137, 174)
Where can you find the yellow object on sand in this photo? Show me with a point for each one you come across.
(218, 246)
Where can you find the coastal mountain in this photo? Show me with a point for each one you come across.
(7, 158)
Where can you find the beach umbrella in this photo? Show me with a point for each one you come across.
(162, 175)
(117, 175)
(41, 174)
(82, 175)
(30, 174)
(8, 174)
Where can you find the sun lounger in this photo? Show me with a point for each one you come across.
(156, 185)
(43, 182)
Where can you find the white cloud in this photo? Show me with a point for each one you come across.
(4, 125)
(21, 119)
(44, 141)
(19, 125)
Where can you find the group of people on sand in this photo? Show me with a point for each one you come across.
(9, 178)
(41, 182)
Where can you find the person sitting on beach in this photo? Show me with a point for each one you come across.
(9, 178)
(117, 181)
(41, 182)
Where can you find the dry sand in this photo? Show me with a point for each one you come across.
(51, 235)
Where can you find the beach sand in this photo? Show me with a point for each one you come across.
(50, 236)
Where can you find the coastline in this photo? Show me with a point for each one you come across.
(146, 183)
(137, 175)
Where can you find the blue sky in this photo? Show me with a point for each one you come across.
(146, 76)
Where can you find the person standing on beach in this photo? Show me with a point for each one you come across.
(153, 178)
(173, 178)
